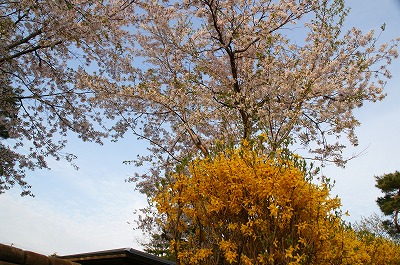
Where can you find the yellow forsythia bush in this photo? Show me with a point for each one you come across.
(240, 207)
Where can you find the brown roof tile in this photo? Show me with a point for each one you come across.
(18, 256)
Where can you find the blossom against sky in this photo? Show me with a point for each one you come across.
(93, 208)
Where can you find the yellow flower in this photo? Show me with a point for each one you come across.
(266, 209)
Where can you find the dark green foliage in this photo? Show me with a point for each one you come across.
(389, 204)
(391, 230)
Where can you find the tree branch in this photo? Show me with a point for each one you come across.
(18, 54)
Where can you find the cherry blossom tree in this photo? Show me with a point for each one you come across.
(207, 74)
(45, 46)
(215, 72)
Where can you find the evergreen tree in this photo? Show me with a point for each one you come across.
(389, 204)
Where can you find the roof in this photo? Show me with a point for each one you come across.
(15, 256)
(122, 256)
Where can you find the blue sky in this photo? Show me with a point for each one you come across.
(93, 208)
